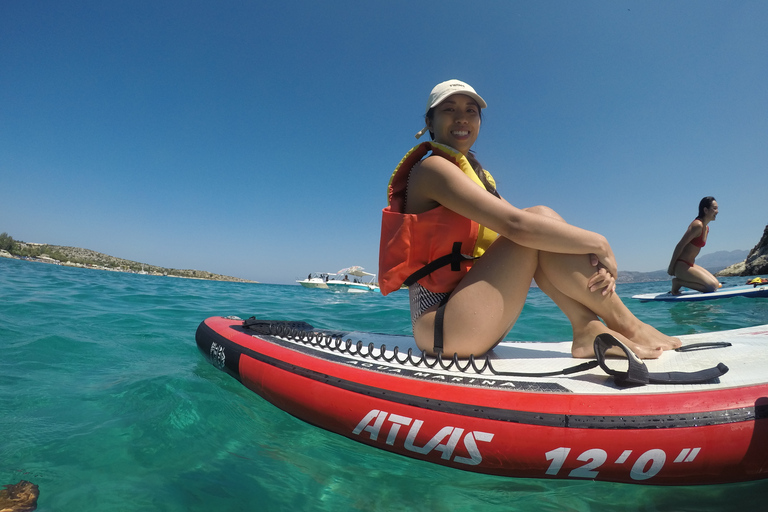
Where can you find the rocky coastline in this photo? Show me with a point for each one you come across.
(86, 258)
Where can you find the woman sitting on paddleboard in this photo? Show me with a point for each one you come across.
(682, 266)
(444, 205)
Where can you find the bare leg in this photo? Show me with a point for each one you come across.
(486, 304)
(488, 301)
(695, 278)
(586, 325)
(569, 273)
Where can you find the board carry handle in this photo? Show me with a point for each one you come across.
(273, 326)
(637, 373)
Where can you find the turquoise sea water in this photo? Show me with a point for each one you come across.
(106, 404)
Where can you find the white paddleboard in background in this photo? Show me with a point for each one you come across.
(722, 293)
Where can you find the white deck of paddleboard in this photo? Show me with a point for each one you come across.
(746, 358)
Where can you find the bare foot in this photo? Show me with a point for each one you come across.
(675, 286)
(647, 336)
(584, 339)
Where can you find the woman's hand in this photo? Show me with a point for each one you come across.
(602, 279)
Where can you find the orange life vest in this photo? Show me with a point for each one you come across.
(436, 247)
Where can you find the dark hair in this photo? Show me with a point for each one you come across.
(705, 203)
(470, 157)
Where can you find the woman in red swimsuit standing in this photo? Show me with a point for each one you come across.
(682, 267)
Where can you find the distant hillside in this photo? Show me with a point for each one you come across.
(714, 262)
(100, 259)
(630, 276)
(78, 257)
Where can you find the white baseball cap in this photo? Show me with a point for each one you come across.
(448, 88)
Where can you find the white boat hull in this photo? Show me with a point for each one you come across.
(313, 283)
(349, 287)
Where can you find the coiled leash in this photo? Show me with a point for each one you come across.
(637, 373)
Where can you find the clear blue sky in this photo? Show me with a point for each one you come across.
(255, 139)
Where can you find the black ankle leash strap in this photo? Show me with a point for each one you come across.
(637, 373)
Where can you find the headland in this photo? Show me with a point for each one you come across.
(86, 258)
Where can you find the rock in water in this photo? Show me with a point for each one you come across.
(756, 262)
(757, 259)
(20, 497)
